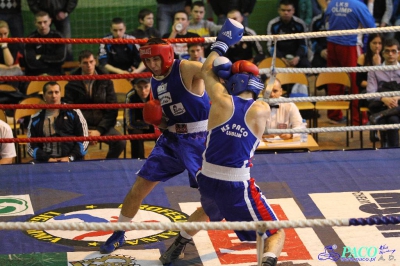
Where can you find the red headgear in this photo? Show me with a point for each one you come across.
(164, 50)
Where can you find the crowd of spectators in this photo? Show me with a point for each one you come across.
(186, 19)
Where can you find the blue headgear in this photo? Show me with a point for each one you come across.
(241, 82)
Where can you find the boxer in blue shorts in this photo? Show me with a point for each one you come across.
(181, 106)
(235, 126)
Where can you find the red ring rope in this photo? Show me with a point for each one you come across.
(73, 106)
(81, 139)
(96, 40)
(75, 77)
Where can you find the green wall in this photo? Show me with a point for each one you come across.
(91, 18)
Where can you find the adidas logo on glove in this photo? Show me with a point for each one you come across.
(227, 34)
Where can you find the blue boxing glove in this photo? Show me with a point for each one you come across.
(230, 34)
(222, 67)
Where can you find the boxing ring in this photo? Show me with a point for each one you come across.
(300, 186)
(316, 185)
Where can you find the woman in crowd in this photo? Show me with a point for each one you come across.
(373, 57)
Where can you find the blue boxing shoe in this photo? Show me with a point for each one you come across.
(116, 240)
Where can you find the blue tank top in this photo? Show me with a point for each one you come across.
(179, 104)
(232, 144)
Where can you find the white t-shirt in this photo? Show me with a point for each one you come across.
(7, 150)
(287, 116)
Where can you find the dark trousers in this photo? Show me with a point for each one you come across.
(115, 148)
(137, 146)
(389, 138)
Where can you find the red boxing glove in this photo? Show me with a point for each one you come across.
(243, 66)
(152, 112)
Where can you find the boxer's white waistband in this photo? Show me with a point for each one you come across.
(185, 128)
(225, 173)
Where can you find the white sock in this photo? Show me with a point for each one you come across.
(185, 235)
(124, 219)
(269, 254)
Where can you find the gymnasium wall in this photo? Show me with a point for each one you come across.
(91, 18)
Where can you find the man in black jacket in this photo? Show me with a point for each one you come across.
(59, 11)
(57, 123)
(44, 58)
(119, 58)
(134, 117)
(292, 52)
(222, 7)
(101, 122)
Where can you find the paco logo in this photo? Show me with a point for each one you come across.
(358, 254)
(104, 213)
(362, 204)
(15, 205)
(165, 98)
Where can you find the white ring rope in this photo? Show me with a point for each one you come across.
(333, 129)
(314, 34)
(316, 70)
(333, 97)
(254, 226)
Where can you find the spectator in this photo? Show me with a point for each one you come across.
(319, 45)
(10, 12)
(283, 115)
(57, 123)
(339, 45)
(381, 10)
(385, 110)
(304, 10)
(292, 52)
(182, 19)
(9, 51)
(166, 10)
(134, 117)
(395, 19)
(244, 50)
(316, 8)
(222, 7)
(119, 58)
(373, 57)
(59, 11)
(197, 24)
(146, 23)
(101, 122)
(46, 58)
(7, 150)
(196, 52)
